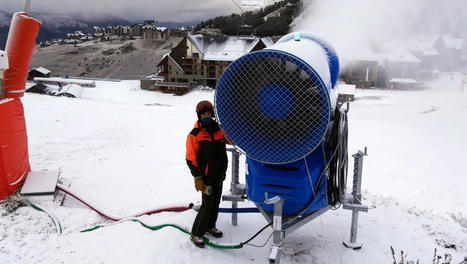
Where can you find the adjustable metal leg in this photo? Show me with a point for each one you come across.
(277, 233)
(237, 190)
(353, 201)
(235, 181)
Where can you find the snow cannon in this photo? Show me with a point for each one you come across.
(279, 107)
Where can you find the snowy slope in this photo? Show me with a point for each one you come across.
(123, 149)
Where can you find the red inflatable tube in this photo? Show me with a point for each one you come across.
(19, 46)
(14, 157)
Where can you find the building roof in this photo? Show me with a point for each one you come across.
(402, 80)
(453, 43)
(267, 41)
(156, 27)
(154, 77)
(424, 48)
(42, 70)
(401, 55)
(223, 48)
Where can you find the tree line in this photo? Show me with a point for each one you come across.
(254, 22)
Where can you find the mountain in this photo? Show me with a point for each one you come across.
(58, 25)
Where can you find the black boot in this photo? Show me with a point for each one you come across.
(214, 232)
(198, 241)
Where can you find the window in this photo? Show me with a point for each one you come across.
(195, 55)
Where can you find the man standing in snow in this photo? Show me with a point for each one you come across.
(207, 159)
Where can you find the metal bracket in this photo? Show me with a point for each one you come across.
(353, 201)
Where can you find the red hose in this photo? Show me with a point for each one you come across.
(118, 218)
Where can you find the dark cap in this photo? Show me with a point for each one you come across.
(203, 107)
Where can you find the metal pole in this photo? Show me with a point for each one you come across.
(2, 93)
(277, 223)
(27, 5)
(234, 182)
(354, 227)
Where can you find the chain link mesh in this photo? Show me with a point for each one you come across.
(274, 106)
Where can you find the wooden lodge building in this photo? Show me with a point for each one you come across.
(201, 60)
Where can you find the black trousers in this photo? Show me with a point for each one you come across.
(207, 214)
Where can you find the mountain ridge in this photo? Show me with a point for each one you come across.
(56, 25)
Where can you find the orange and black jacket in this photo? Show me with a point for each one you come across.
(205, 152)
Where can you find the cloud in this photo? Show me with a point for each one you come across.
(162, 10)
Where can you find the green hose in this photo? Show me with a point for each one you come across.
(59, 228)
(157, 227)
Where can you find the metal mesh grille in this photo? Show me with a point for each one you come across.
(273, 106)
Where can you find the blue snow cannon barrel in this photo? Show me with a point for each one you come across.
(276, 104)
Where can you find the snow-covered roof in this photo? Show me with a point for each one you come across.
(402, 80)
(156, 27)
(365, 55)
(222, 48)
(453, 43)
(267, 41)
(72, 89)
(42, 70)
(154, 77)
(84, 83)
(400, 55)
(424, 48)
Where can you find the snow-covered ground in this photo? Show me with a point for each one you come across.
(123, 149)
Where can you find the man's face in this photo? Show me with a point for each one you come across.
(206, 114)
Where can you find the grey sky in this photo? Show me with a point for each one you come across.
(163, 10)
